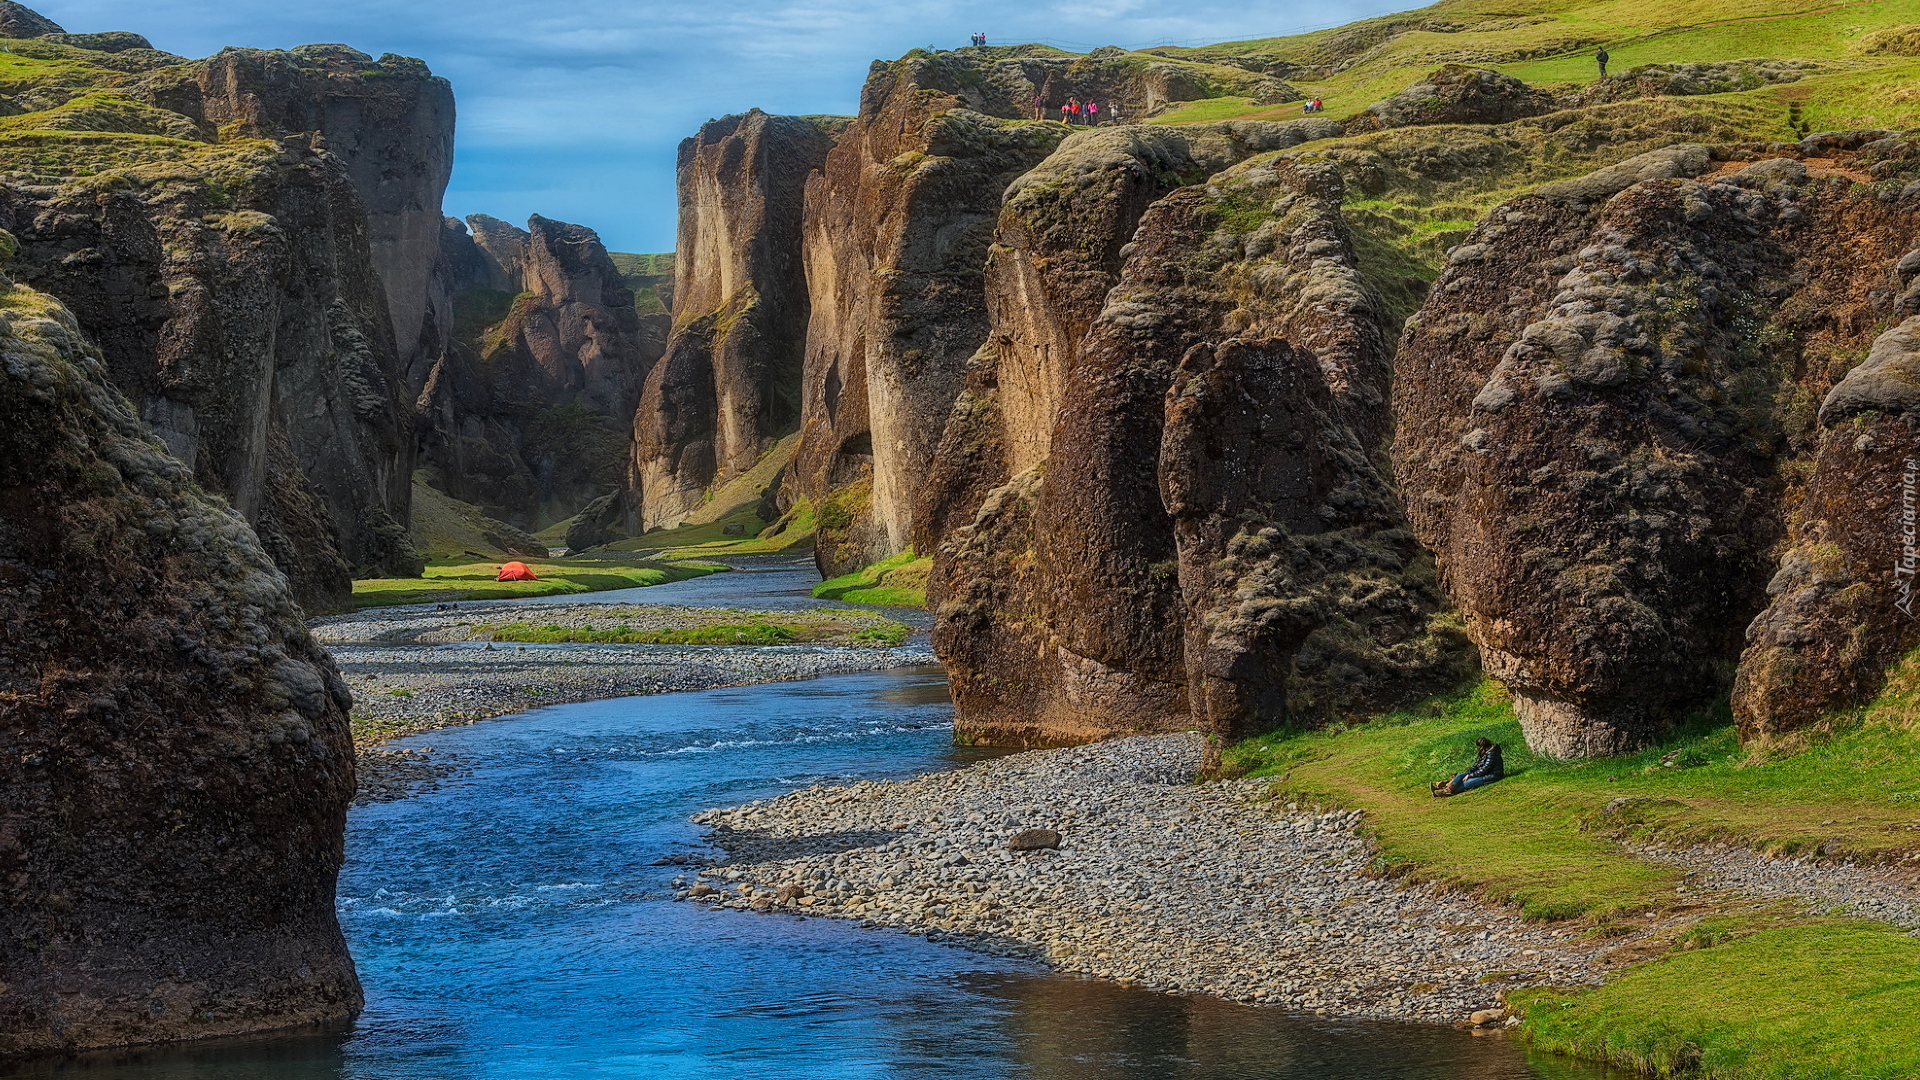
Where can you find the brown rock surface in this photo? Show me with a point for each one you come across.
(173, 744)
(237, 315)
(1148, 563)
(1455, 94)
(526, 414)
(1607, 408)
(727, 387)
(391, 121)
(1056, 253)
(896, 233)
(20, 21)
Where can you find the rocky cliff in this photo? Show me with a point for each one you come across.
(526, 412)
(728, 385)
(1629, 391)
(240, 276)
(173, 745)
(897, 227)
(1209, 538)
(390, 121)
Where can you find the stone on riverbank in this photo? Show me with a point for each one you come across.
(1210, 889)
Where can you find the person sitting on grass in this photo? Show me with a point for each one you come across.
(1486, 769)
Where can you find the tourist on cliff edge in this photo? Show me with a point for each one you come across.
(1487, 768)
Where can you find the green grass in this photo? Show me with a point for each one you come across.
(655, 625)
(1552, 42)
(1541, 838)
(748, 633)
(897, 581)
(710, 541)
(452, 580)
(1819, 1000)
(1726, 988)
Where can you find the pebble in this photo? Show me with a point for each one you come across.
(1887, 893)
(402, 690)
(1173, 886)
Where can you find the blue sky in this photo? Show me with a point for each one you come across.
(574, 108)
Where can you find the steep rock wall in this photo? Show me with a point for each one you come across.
(896, 230)
(1055, 254)
(242, 313)
(391, 121)
(527, 412)
(728, 385)
(1186, 553)
(173, 745)
(1606, 411)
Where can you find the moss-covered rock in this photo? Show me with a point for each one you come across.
(173, 744)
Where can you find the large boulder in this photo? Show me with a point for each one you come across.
(173, 745)
(1609, 408)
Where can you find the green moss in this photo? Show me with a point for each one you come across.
(897, 581)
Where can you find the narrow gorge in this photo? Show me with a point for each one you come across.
(1293, 454)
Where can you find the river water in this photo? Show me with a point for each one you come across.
(512, 925)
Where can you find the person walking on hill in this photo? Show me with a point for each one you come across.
(1602, 57)
(1039, 107)
(1093, 113)
(1066, 111)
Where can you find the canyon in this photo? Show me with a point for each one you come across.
(1238, 421)
(1188, 448)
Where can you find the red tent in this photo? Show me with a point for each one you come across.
(516, 571)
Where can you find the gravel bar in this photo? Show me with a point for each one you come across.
(1155, 882)
(1888, 894)
(406, 690)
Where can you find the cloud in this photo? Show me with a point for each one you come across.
(575, 109)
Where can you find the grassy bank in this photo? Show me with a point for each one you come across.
(897, 581)
(702, 626)
(1729, 989)
(455, 579)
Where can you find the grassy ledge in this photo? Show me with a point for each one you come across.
(457, 579)
(1715, 986)
(897, 581)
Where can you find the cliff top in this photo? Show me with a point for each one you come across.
(107, 109)
(1862, 49)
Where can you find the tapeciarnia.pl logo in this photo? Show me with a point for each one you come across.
(1909, 560)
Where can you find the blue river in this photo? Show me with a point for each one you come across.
(513, 925)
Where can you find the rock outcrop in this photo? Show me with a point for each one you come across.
(896, 234)
(391, 121)
(1056, 253)
(1186, 553)
(1455, 94)
(728, 385)
(240, 294)
(20, 21)
(1610, 407)
(526, 413)
(173, 745)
